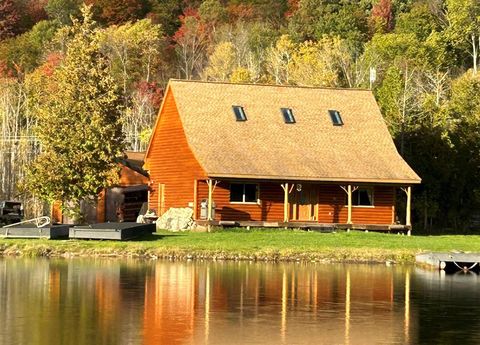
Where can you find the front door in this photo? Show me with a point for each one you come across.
(304, 202)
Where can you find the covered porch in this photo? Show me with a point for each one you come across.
(322, 206)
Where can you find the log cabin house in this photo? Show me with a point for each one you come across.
(269, 155)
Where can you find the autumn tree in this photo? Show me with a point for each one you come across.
(9, 18)
(381, 19)
(313, 64)
(191, 40)
(25, 52)
(134, 50)
(221, 63)
(118, 11)
(78, 125)
(279, 59)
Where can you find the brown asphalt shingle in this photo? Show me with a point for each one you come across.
(361, 150)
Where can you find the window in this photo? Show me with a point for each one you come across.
(336, 118)
(362, 197)
(239, 113)
(244, 192)
(287, 115)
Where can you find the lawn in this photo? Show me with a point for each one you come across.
(253, 245)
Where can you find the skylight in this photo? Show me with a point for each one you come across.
(287, 115)
(239, 113)
(336, 118)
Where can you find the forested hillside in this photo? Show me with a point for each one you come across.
(424, 54)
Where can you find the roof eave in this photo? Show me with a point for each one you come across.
(317, 179)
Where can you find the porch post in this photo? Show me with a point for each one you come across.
(285, 203)
(210, 194)
(349, 197)
(408, 221)
(286, 191)
(211, 188)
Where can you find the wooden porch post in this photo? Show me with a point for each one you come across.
(195, 198)
(408, 216)
(349, 190)
(285, 203)
(408, 221)
(349, 194)
(210, 194)
(211, 188)
(285, 200)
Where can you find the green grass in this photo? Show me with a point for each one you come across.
(253, 245)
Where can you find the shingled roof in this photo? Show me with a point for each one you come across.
(265, 147)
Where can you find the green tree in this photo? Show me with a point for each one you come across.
(464, 27)
(166, 13)
(346, 19)
(26, 52)
(212, 12)
(420, 20)
(61, 10)
(78, 125)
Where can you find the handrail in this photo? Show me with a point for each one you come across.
(40, 222)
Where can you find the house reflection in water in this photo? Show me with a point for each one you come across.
(220, 303)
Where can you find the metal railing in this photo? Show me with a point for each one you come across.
(40, 222)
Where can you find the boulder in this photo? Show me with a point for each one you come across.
(176, 219)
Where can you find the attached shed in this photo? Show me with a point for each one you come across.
(276, 155)
(121, 202)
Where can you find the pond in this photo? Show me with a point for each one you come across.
(111, 301)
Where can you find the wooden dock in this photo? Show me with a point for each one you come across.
(450, 261)
(111, 231)
(50, 232)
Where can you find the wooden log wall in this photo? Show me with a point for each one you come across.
(170, 161)
(331, 205)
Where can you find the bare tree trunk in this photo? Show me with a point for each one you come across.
(404, 106)
(474, 53)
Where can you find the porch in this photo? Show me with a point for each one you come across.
(322, 206)
(314, 226)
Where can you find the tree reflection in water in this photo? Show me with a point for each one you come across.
(102, 301)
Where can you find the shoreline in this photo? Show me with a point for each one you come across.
(43, 248)
(250, 245)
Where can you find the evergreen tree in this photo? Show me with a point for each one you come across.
(78, 125)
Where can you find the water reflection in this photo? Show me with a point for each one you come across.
(135, 302)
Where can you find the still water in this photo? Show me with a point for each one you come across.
(102, 301)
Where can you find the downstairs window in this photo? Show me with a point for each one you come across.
(244, 192)
(362, 197)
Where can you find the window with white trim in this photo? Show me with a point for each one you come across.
(244, 192)
(362, 197)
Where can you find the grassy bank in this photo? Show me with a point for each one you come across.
(278, 245)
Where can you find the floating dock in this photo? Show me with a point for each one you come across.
(111, 231)
(450, 261)
(50, 232)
